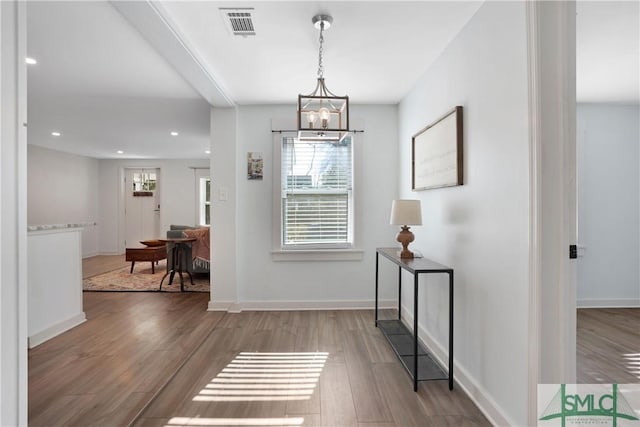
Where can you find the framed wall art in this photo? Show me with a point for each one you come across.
(436, 153)
(254, 165)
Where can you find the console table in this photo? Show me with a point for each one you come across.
(418, 362)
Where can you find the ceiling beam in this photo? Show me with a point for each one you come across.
(153, 22)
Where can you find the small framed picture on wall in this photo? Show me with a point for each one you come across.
(254, 165)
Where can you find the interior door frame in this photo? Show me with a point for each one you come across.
(551, 43)
(122, 226)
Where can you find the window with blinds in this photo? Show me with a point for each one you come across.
(317, 178)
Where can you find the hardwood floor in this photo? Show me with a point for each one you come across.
(608, 345)
(161, 360)
(336, 370)
(106, 370)
(99, 264)
(165, 352)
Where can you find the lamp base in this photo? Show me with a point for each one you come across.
(405, 236)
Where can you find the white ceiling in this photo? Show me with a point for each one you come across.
(115, 78)
(367, 43)
(100, 84)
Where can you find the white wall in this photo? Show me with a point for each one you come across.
(481, 228)
(224, 290)
(177, 197)
(266, 283)
(13, 215)
(62, 188)
(55, 283)
(374, 188)
(609, 204)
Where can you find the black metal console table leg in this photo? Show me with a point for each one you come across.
(399, 293)
(451, 330)
(415, 332)
(376, 312)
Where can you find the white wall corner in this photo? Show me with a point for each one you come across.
(228, 306)
(55, 330)
(224, 245)
(534, 210)
(13, 215)
(551, 29)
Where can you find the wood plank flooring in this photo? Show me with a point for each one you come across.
(104, 371)
(162, 360)
(99, 264)
(326, 368)
(608, 345)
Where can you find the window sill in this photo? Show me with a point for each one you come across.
(317, 255)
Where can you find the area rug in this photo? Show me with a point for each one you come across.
(142, 280)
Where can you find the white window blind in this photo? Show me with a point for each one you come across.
(317, 182)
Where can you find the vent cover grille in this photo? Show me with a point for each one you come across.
(238, 21)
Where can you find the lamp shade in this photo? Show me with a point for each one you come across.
(406, 212)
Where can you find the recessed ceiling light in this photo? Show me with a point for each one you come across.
(174, 133)
(120, 152)
(207, 151)
(30, 61)
(56, 133)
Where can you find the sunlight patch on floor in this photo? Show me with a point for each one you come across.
(257, 376)
(203, 422)
(633, 363)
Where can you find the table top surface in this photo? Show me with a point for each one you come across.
(413, 265)
(179, 240)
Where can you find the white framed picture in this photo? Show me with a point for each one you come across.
(436, 153)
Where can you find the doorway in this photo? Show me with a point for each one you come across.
(142, 205)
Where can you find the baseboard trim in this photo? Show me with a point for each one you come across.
(236, 307)
(90, 254)
(228, 306)
(55, 330)
(609, 303)
(476, 393)
(315, 305)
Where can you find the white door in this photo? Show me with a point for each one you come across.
(142, 206)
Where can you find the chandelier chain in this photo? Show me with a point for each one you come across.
(320, 51)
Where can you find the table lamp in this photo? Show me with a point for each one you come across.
(406, 213)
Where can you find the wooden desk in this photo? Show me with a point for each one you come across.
(177, 252)
(418, 362)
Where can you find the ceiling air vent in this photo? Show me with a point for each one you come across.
(238, 21)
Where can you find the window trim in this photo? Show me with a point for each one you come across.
(329, 252)
(201, 174)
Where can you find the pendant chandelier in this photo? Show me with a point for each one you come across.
(321, 114)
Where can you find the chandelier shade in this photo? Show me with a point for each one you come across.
(321, 114)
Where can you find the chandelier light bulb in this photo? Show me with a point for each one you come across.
(312, 118)
(324, 116)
